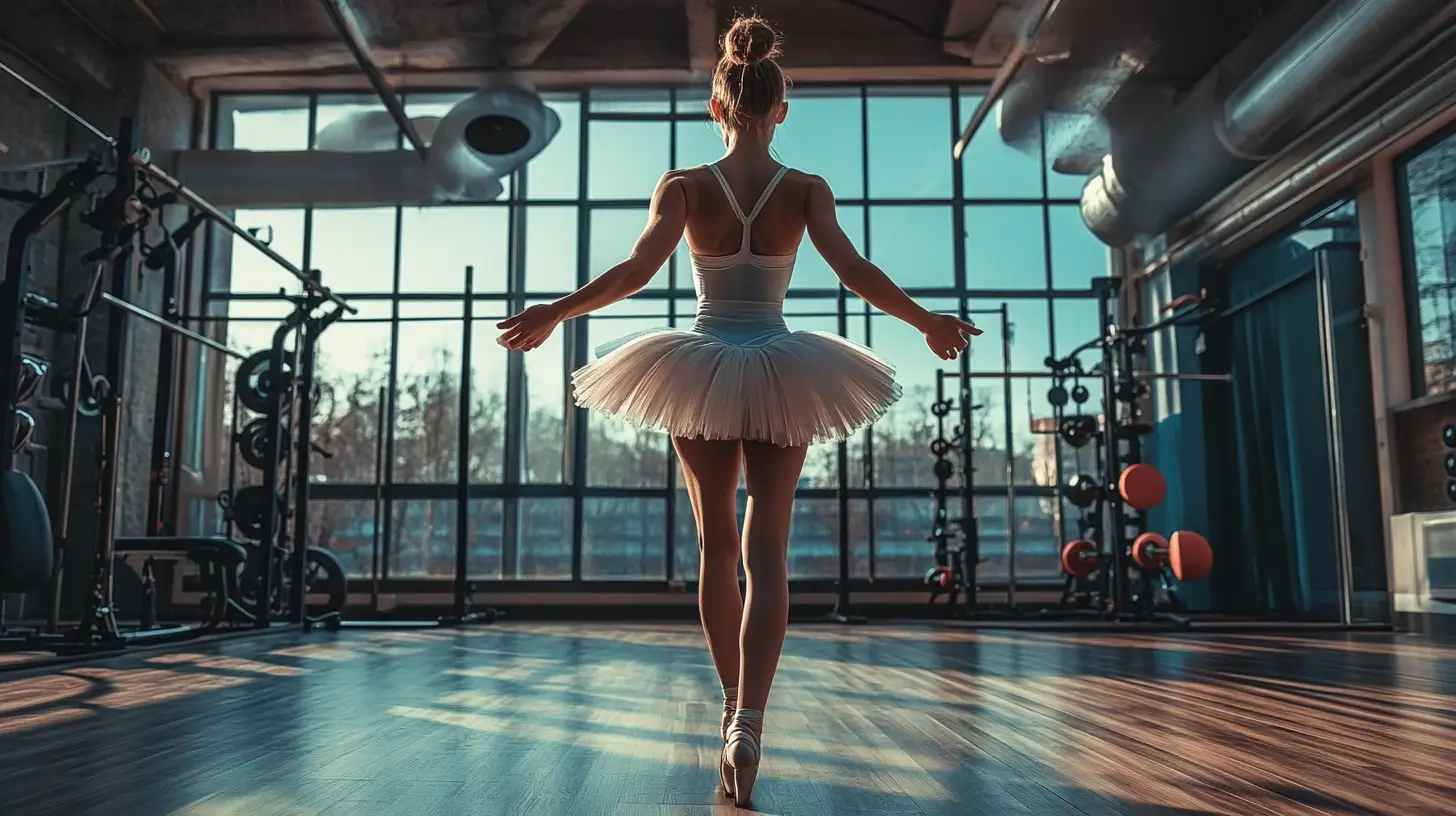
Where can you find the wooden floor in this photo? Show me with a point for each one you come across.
(623, 720)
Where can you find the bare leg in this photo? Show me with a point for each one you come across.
(773, 475)
(710, 470)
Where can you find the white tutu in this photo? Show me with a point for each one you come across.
(788, 388)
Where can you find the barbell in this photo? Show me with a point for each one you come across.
(1186, 553)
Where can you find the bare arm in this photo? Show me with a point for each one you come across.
(858, 275)
(665, 224)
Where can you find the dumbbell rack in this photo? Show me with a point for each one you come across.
(957, 540)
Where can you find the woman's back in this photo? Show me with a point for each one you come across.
(713, 229)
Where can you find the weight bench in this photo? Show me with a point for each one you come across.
(218, 558)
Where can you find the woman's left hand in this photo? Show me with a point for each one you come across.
(529, 329)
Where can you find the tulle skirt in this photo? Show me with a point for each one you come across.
(740, 374)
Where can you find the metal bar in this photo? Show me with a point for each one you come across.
(197, 202)
(1010, 457)
(1003, 77)
(1142, 375)
(1334, 437)
(172, 327)
(380, 416)
(36, 89)
(354, 39)
(462, 458)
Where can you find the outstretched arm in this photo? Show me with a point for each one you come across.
(943, 333)
(665, 224)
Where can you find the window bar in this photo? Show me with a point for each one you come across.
(578, 349)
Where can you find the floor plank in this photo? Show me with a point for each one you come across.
(623, 719)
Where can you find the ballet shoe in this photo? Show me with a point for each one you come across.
(741, 755)
(725, 773)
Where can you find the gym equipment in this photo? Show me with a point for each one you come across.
(256, 381)
(27, 557)
(1082, 491)
(24, 429)
(941, 407)
(1078, 430)
(32, 372)
(250, 508)
(939, 447)
(1080, 394)
(1080, 558)
(1448, 436)
(1186, 553)
(253, 448)
(1057, 395)
(1142, 486)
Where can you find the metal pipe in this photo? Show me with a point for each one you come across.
(348, 28)
(172, 327)
(60, 530)
(1010, 458)
(1003, 77)
(1334, 437)
(1309, 179)
(36, 89)
(197, 202)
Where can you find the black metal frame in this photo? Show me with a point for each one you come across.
(574, 486)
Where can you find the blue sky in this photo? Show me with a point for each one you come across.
(907, 141)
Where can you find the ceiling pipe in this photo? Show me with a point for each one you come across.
(1354, 147)
(1003, 77)
(1166, 168)
(348, 28)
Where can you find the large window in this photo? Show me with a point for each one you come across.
(559, 494)
(1428, 179)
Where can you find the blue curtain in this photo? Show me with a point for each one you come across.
(1273, 509)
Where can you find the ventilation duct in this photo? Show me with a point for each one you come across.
(480, 141)
(1163, 169)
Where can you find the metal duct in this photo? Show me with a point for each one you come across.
(1167, 167)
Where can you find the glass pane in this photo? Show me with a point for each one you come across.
(823, 135)
(556, 172)
(439, 242)
(630, 100)
(685, 537)
(901, 526)
(487, 400)
(251, 271)
(914, 245)
(993, 169)
(1028, 331)
(814, 539)
(626, 159)
(811, 271)
(910, 143)
(620, 454)
(353, 368)
(1038, 548)
(422, 539)
(1430, 181)
(271, 123)
(543, 449)
(345, 529)
(427, 408)
(1005, 247)
(487, 528)
(624, 538)
(613, 235)
(1078, 322)
(697, 143)
(354, 249)
(551, 246)
(859, 538)
(1077, 255)
(544, 553)
(902, 437)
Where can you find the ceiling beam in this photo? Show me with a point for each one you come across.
(536, 26)
(984, 39)
(49, 35)
(702, 36)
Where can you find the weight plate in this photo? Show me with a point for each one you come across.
(940, 447)
(944, 470)
(940, 408)
(255, 381)
(1057, 396)
(252, 444)
(1448, 436)
(250, 512)
(1080, 394)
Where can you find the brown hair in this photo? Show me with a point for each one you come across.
(748, 83)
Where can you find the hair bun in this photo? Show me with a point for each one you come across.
(750, 39)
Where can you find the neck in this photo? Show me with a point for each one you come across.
(750, 142)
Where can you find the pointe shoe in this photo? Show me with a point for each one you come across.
(741, 755)
(725, 772)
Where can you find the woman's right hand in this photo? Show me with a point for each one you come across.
(948, 335)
